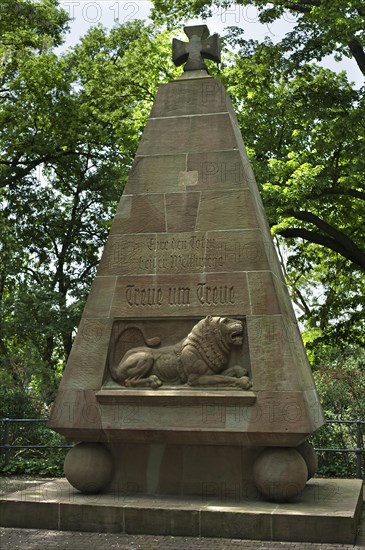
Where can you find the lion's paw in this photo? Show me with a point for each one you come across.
(244, 383)
(154, 381)
(239, 371)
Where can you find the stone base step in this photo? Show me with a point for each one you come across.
(328, 511)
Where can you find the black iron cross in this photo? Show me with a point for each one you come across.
(200, 46)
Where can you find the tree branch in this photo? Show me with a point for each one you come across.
(31, 165)
(352, 253)
(304, 6)
(87, 270)
(298, 7)
(343, 240)
(296, 295)
(358, 52)
(348, 192)
(300, 302)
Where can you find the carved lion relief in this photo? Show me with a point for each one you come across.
(200, 359)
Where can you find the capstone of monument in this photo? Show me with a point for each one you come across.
(188, 372)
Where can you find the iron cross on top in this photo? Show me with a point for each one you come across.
(200, 46)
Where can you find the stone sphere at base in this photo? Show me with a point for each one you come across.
(280, 473)
(88, 467)
(310, 456)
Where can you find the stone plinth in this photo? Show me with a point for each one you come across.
(328, 512)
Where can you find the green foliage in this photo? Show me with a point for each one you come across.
(71, 125)
(33, 461)
(319, 27)
(340, 382)
(303, 132)
(15, 402)
(303, 126)
(49, 466)
(18, 403)
(336, 464)
(27, 25)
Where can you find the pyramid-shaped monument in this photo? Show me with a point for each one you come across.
(188, 365)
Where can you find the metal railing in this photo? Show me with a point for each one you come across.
(359, 450)
(6, 447)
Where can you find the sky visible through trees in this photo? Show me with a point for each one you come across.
(87, 13)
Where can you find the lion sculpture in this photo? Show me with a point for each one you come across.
(200, 359)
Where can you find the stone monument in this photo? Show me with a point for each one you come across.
(188, 372)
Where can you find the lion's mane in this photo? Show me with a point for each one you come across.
(207, 339)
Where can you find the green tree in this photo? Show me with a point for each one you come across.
(303, 126)
(320, 28)
(304, 135)
(340, 382)
(75, 122)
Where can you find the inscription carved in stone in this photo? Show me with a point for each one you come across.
(190, 295)
(179, 295)
(200, 359)
(211, 252)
